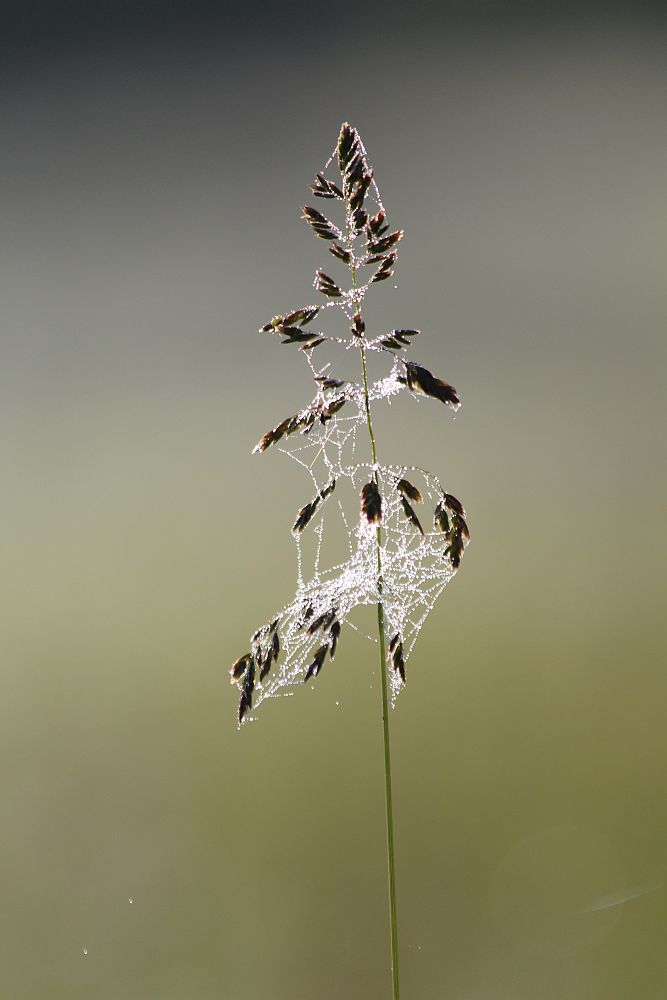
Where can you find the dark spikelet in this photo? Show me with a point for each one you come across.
(275, 646)
(454, 504)
(454, 526)
(390, 342)
(392, 644)
(249, 682)
(284, 324)
(305, 616)
(320, 224)
(313, 343)
(410, 491)
(323, 188)
(329, 383)
(306, 513)
(265, 665)
(320, 188)
(357, 199)
(410, 514)
(301, 421)
(385, 270)
(455, 549)
(348, 144)
(334, 633)
(285, 427)
(245, 704)
(309, 314)
(440, 517)
(358, 326)
(326, 285)
(398, 661)
(333, 407)
(316, 664)
(403, 336)
(371, 502)
(376, 224)
(270, 327)
(307, 422)
(351, 160)
(355, 169)
(323, 621)
(385, 242)
(360, 190)
(422, 380)
(272, 436)
(359, 219)
(295, 335)
(239, 668)
(341, 253)
(305, 516)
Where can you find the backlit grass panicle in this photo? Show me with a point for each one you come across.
(396, 559)
(364, 245)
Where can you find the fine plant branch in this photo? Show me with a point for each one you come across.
(397, 561)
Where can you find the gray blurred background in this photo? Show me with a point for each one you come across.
(154, 158)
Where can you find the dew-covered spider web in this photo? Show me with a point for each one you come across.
(398, 535)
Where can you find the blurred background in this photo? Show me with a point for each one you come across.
(154, 158)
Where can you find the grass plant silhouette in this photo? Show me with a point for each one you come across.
(397, 560)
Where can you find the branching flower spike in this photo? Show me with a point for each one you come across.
(398, 560)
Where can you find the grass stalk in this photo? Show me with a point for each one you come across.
(391, 863)
(295, 643)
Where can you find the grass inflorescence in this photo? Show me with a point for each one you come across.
(400, 557)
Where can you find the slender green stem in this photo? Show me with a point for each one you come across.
(391, 865)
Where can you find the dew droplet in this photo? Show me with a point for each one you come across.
(85, 951)
(130, 900)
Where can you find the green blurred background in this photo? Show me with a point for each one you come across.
(154, 159)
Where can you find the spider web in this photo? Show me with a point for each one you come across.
(414, 561)
(415, 569)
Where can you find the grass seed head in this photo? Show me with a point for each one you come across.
(358, 236)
